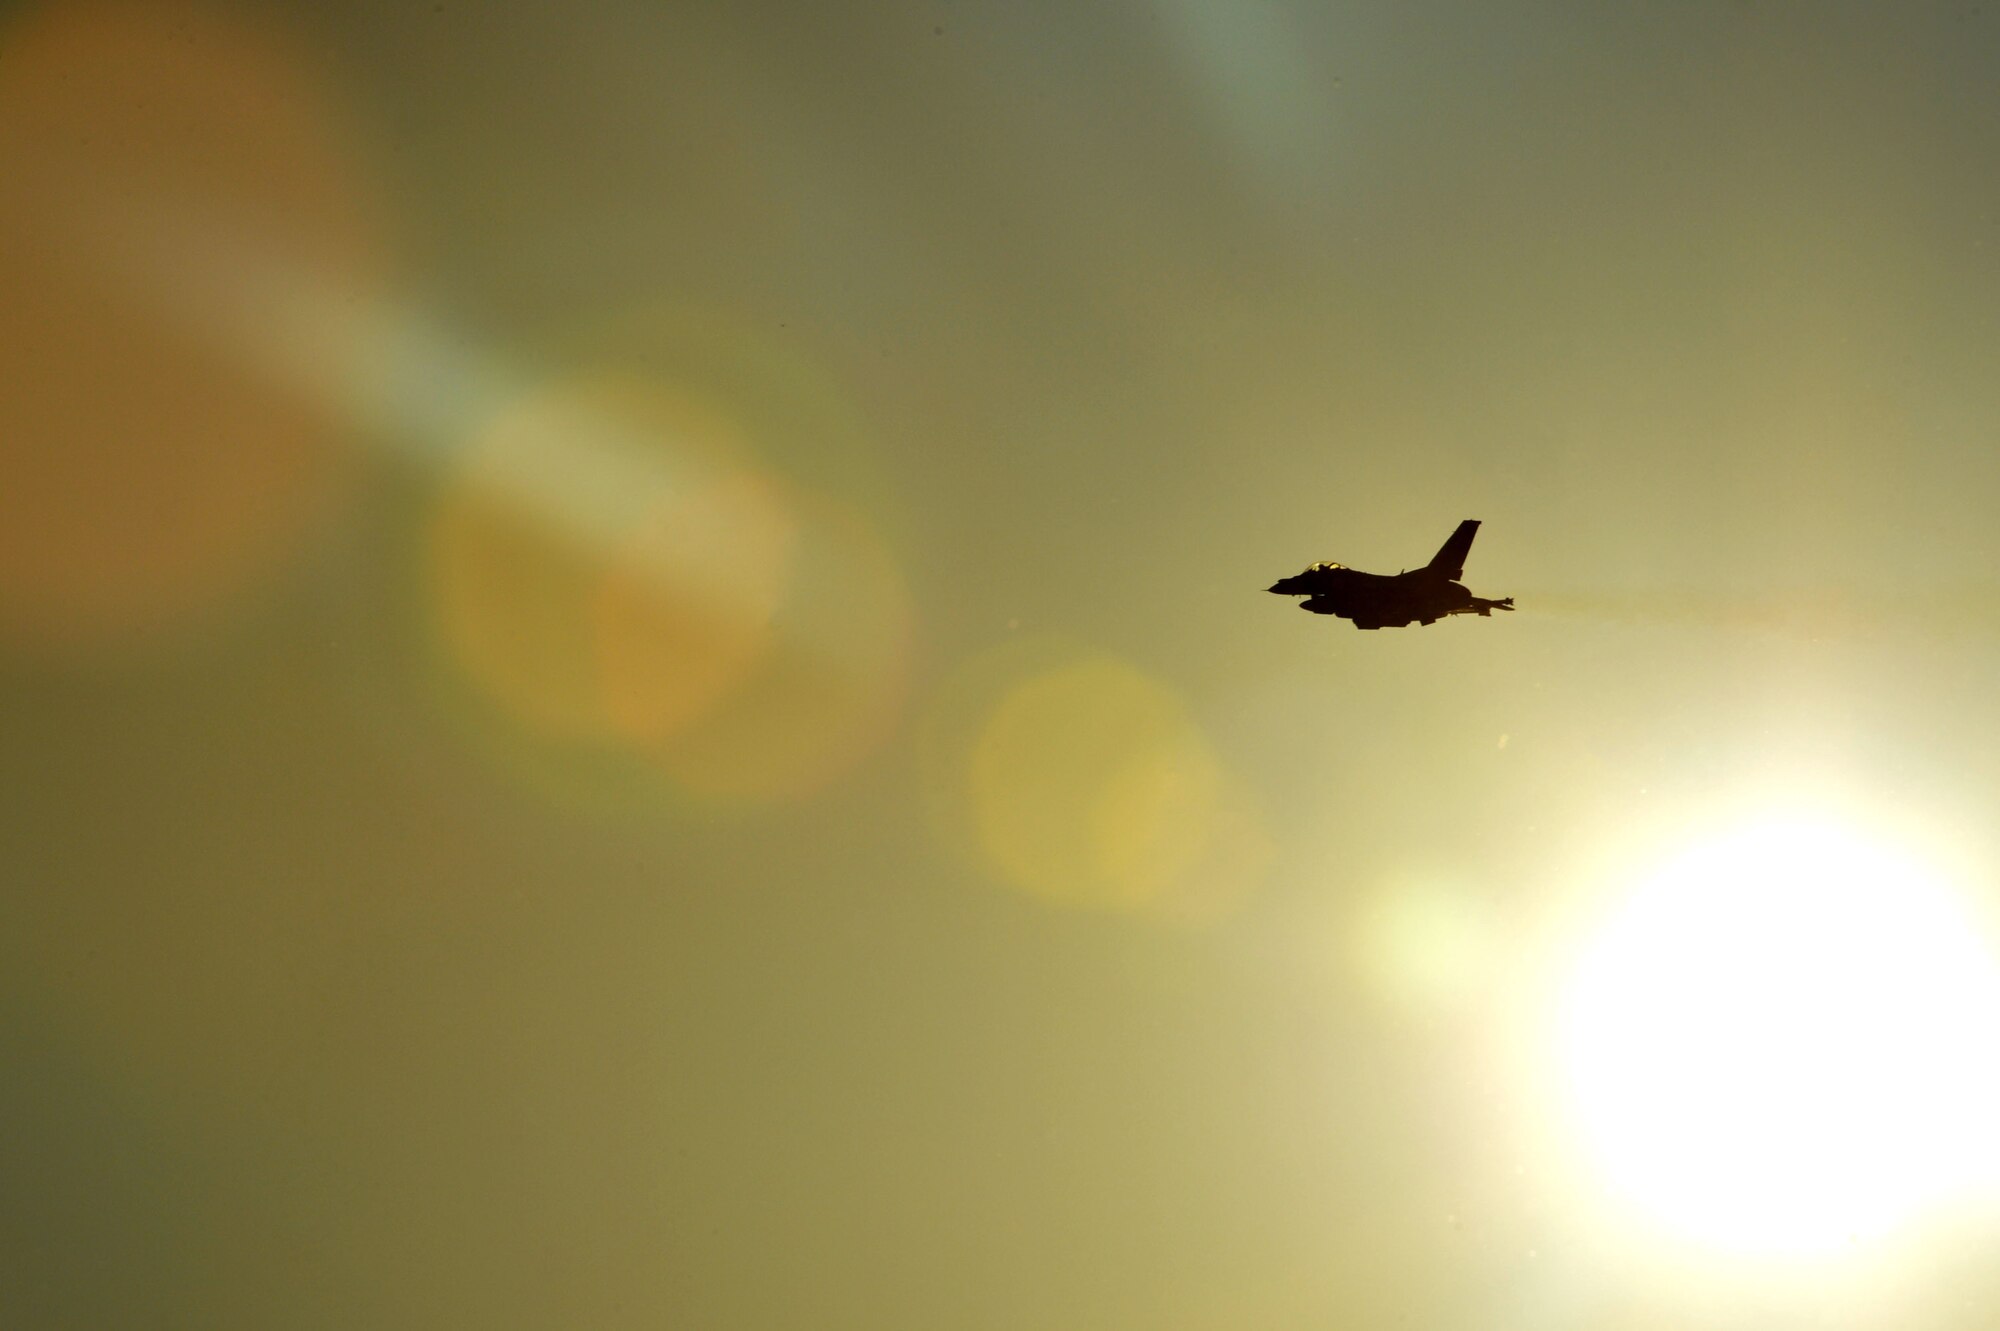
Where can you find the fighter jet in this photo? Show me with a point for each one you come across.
(1378, 601)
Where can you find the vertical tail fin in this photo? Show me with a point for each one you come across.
(1449, 561)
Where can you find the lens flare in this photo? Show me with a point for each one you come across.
(151, 474)
(831, 680)
(1422, 941)
(685, 611)
(607, 558)
(1091, 786)
(614, 567)
(1780, 1042)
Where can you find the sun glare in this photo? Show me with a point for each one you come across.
(1779, 1042)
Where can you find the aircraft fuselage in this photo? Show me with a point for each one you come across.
(1382, 600)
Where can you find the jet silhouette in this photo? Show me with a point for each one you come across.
(1379, 600)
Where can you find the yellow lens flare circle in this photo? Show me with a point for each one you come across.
(1422, 943)
(1091, 786)
(1779, 1044)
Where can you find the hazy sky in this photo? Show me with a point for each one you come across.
(637, 690)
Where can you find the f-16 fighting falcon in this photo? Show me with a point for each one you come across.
(1378, 600)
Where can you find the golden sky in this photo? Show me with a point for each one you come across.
(635, 689)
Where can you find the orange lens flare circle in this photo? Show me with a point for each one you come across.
(829, 688)
(154, 470)
(607, 558)
(684, 611)
(613, 567)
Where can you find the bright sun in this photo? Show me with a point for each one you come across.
(1782, 1042)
